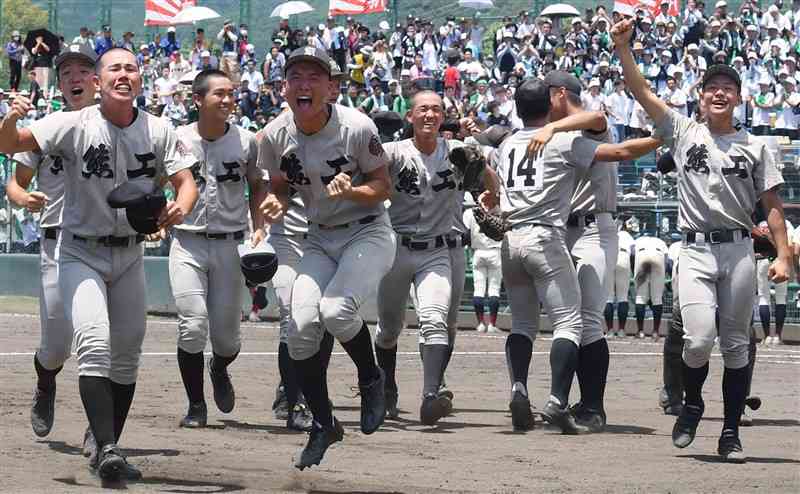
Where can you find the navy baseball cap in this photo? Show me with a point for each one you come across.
(82, 52)
(310, 54)
(559, 78)
(723, 70)
(142, 207)
(532, 93)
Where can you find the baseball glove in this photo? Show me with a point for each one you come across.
(470, 163)
(666, 163)
(762, 244)
(492, 225)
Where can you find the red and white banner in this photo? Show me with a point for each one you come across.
(351, 7)
(161, 12)
(629, 7)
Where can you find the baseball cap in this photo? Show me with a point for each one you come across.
(720, 4)
(493, 136)
(82, 52)
(559, 78)
(142, 207)
(790, 80)
(638, 45)
(723, 70)
(171, 29)
(205, 53)
(258, 263)
(751, 27)
(594, 83)
(309, 54)
(532, 94)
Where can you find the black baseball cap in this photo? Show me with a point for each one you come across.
(142, 205)
(532, 93)
(78, 51)
(559, 78)
(723, 70)
(310, 54)
(494, 135)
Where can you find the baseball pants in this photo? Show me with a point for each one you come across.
(763, 285)
(206, 282)
(56, 339)
(340, 268)
(458, 273)
(716, 277)
(619, 281)
(649, 275)
(429, 272)
(289, 251)
(537, 268)
(486, 269)
(103, 290)
(593, 249)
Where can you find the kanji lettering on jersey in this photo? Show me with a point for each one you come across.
(697, 159)
(57, 166)
(447, 181)
(96, 162)
(145, 170)
(198, 177)
(408, 181)
(291, 166)
(738, 167)
(337, 165)
(231, 173)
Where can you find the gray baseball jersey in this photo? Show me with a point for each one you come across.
(142, 152)
(720, 177)
(49, 172)
(596, 191)
(293, 222)
(426, 189)
(222, 170)
(539, 191)
(348, 143)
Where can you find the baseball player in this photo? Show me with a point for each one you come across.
(722, 172)
(100, 262)
(333, 157)
(772, 334)
(485, 271)
(618, 282)
(649, 275)
(75, 72)
(203, 259)
(536, 192)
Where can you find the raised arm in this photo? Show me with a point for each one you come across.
(634, 80)
(628, 150)
(12, 139)
(587, 120)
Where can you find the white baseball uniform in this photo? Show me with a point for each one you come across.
(762, 272)
(649, 270)
(487, 276)
(619, 280)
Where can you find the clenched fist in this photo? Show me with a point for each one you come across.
(272, 208)
(19, 108)
(622, 32)
(340, 186)
(171, 215)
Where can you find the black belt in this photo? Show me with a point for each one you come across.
(715, 237)
(363, 221)
(434, 243)
(221, 236)
(452, 242)
(112, 241)
(580, 220)
(51, 233)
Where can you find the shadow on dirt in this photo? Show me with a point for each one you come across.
(68, 449)
(750, 459)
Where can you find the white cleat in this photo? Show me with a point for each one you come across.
(481, 328)
(491, 328)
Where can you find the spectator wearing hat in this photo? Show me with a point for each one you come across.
(207, 61)
(362, 62)
(674, 96)
(14, 51)
(104, 42)
(663, 13)
(382, 63)
(170, 44)
(84, 38)
(773, 17)
(230, 62)
(773, 39)
(127, 41)
(544, 40)
(618, 107)
(751, 41)
(592, 99)
(649, 69)
(763, 104)
(506, 55)
(788, 108)
(665, 62)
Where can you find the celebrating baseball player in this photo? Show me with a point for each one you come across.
(535, 197)
(334, 158)
(100, 264)
(203, 260)
(75, 70)
(722, 172)
(486, 275)
(427, 189)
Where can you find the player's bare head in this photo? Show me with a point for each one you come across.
(308, 83)
(117, 74)
(564, 91)
(212, 92)
(426, 114)
(720, 94)
(532, 99)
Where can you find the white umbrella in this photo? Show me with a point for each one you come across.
(476, 4)
(287, 9)
(188, 78)
(560, 10)
(192, 14)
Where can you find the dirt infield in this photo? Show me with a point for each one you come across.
(474, 450)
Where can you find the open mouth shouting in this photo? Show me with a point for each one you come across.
(123, 88)
(304, 102)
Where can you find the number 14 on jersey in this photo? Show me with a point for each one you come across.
(525, 174)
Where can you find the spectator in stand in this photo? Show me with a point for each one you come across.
(618, 107)
(269, 100)
(127, 41)
(382, 64)
(763, 104)
(350, 98)
(84, 38)
(208, 61)
(14, 50)
(230, 60)
(361, 64)
(179, 66)
(592, 99)
(198, 48)
(105, 42)
(170, 44)
(254, 81)
(165, 88)
(272, 70)
(378, 101)
(788, 109)
(674, 96)
(42, 62)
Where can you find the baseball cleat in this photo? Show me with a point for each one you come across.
(196, 417)
(686, 425)
(43, 410)
(89, 446)
(373, 403)
(392, 411)
(730, 448)
(480, 328)
(753, 402)
(319, 440)
(561, 417)
(253, 317)
(592, 418)
(224, 395)
(433, 408)
(674, 409)
(491, 328)
(300, 418)
(280, 407)
(745, 420)
(110, 463)
(444, 391)
(521, 413)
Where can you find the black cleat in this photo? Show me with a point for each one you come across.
(373, 403)
(224, 396)
(110, 463)
(730, 448)
(592, 418)
(444, 391)
(753, 402)
(319, 440)
(300, 418)
(89, 446)
(392, 411)
(686, 425)
(674, 409)
(196, 417)
(561, 417)
(434, 407)
(43, 410)
(280, 407)
(521, 414)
